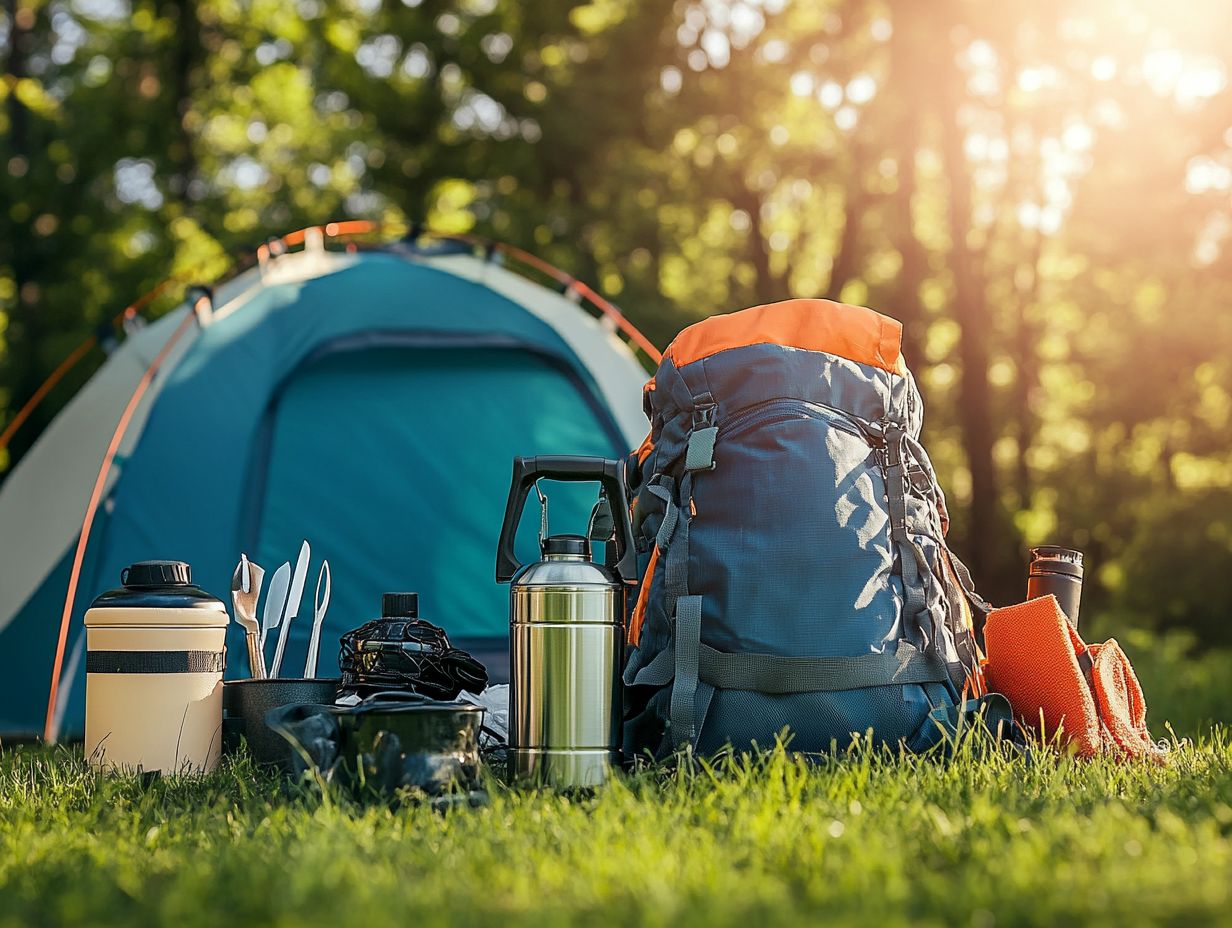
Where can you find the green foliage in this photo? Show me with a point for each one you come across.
(1038, 190)
(864, 839)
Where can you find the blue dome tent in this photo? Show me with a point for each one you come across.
(369, 400)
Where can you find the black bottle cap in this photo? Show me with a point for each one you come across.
(150, 574)
(1057, 560)
(400, 605)
(566, 544)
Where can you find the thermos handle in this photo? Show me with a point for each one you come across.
(605, 471)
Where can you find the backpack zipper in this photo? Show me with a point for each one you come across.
(784, 409)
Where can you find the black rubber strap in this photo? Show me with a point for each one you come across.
(155, 662)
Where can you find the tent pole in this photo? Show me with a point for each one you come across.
(51, 726)
(73, 358)
(46, 387)
(331, 230)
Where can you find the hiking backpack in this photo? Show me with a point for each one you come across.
(792, 537)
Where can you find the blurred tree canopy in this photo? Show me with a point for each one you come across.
(1039, 190)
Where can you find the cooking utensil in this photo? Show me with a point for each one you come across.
(291, 610)
(245, 703)
(245, 592)
(389, 742)
(320, 603)
(275, 604)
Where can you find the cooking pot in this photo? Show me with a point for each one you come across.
(389, 742)
(244, 707)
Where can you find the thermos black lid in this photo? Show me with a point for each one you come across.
(400, 605)
(566, 544)
(1057, 560)
(148, 574)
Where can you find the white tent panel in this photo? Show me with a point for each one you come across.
(44, 499)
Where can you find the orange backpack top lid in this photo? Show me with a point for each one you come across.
(853, 332)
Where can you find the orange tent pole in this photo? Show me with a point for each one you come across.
(46, 387)
(96, 496)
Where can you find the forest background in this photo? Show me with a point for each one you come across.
(1041, 191)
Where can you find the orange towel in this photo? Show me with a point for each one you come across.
(1122, 707)
(1088, 696)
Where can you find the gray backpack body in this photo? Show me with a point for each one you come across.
(792, 537)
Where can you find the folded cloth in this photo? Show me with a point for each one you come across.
(494, 699)
(1118, 695)
(1086, 696)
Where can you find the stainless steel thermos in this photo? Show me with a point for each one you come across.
(1057, 571)
(567, 619)
(154, 661)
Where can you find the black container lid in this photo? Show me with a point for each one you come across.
(157, 585)
(400, 605)
(145, 575)
(566, 544)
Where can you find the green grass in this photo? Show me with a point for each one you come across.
(982, 839)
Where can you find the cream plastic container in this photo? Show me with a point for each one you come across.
(155, 655)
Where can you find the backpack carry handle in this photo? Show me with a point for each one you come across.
(572, 468)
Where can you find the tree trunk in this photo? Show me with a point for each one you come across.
(19, 39)
(185, 60)
(905, 80)
(914, 263)
(768, 286)
(971, 313)
(1026, 363)
(847, 257)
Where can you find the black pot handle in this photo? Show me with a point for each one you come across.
(606, 471)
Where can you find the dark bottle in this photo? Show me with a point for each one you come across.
(1057, 571)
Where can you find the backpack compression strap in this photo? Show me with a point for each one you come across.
(914, 565)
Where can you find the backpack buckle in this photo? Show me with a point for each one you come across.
(705, 415)
(699, 455)
(895, 442)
